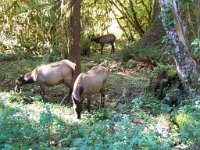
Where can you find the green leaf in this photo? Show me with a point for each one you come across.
(165, 107)
(183, 2)
(77, 142)
(196, 50)
(199, 79)
(196, 41)
(171, 21)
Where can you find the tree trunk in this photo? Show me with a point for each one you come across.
(198, 20)
(135, 19)
(74, 36)
(155, 31)
(186, 66)
(131, 18)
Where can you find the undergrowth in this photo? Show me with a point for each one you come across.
(187, 117)
(152, 54)
(129, 128)
(132, 119)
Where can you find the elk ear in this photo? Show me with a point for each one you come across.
(26, 77)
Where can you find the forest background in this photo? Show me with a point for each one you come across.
(153, 85)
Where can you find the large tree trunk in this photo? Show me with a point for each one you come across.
(186, 66)
(155, 31)
(74, 36)
(198, 19)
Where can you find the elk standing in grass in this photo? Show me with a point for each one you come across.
(88, 84)
(49, 75)
(105, 39)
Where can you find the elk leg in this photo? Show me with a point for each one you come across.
(102, 45)
(68, 81)
(68, 95)
(63, 99)
(113, 48)
(88, 103)
(77, 108)
(102, 91)
(161, 87)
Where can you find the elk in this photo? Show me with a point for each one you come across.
(49, 75)
(105, 39)
(88, 84)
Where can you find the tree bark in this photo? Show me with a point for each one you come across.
(123, 28)
(131, 18)
(186, 66)
(135, 19)
(148, 10)
(74, 36)
(198, 20)
(155, 31)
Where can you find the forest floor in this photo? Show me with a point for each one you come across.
(123, 113)
(124, 82)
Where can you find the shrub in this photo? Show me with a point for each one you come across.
(188, 119)
(151, 54)
(85, 47)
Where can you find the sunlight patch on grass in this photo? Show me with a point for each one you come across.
(36, 107)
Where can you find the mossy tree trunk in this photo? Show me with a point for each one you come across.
(155, 32)
(198, 18)
(130, 16)
(186, 66)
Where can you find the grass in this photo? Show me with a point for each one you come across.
(127, 121)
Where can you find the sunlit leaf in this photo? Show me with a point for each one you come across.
(196, 41)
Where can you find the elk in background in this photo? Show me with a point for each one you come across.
(105, 39)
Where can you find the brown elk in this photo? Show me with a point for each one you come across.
(105, 39)
(88, 84)
(49, 75)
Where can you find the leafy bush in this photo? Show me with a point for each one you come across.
(23, 129)
(119, 131)
(53, 55)
(188, 119)
(182, 119)
(16, 128)
(125, 129)
(152, 54)
(170, 69)
(196, 44)
(85, 46)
